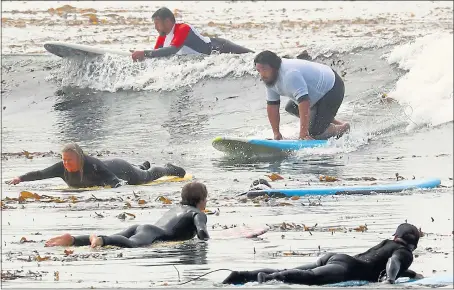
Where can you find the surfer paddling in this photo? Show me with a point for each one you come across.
(80, 170)
(315, 90)
(384, 262)
(183, 39)
(181, 223)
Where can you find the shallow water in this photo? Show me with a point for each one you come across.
(118, 110)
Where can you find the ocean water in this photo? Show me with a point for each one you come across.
(169, 110)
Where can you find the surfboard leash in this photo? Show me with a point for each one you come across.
(200, 276)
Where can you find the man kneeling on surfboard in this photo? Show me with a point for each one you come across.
(179, 224)
(385, 262)
(80, 170)
(315, 90)
(182, 39)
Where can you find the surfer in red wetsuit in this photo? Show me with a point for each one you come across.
(183, 39)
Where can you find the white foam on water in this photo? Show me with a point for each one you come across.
(112, 73)
(427, 89)
(288, 26)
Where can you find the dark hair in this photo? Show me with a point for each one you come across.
(163, 13)
(193, 193)
(260, 181)
(269, 58)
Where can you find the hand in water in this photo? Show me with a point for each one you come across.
(15, 180)
(63, 240)
(138, 55)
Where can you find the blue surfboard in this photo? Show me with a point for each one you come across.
(337, 190)
(437, 280)
(251, 147)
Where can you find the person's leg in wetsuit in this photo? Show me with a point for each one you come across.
(135, 175)
(226, 46)
(337, 268)
(133, 237)
(241, 277)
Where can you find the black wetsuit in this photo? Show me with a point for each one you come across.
(104, 173)
(222, 45)
(335, 268)
(178, 224)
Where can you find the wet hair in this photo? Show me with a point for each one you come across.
(269, 58)
(193, 193)
(163, 13)
(304, 55)
(260, 181)
(409, 234)
(74, 148)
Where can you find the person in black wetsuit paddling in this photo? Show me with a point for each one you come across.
(80, 170)
(179, 224)
(390, 259)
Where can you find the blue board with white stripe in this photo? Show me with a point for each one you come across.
(335, 190)
(246, 146)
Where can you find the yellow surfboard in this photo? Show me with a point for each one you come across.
(163, 179)
(166, 179)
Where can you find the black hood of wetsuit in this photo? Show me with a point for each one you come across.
(409, 233)
(260, 181)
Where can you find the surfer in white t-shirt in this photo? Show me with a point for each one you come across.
(315, 91)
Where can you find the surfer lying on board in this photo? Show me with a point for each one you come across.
(80, 170)
(182, 39)
(178, 224)
(385, 262)
(315, 90)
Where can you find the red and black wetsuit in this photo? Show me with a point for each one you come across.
(184, 39)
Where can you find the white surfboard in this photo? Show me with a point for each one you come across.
(63, 49)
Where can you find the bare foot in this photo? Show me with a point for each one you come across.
(95, 241)
(63, 240)
(342, 129)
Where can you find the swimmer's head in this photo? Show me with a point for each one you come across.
(164, 20)
(256, 182)
(267, 63)
(409, 234)
(194, 194)
(73, 158)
